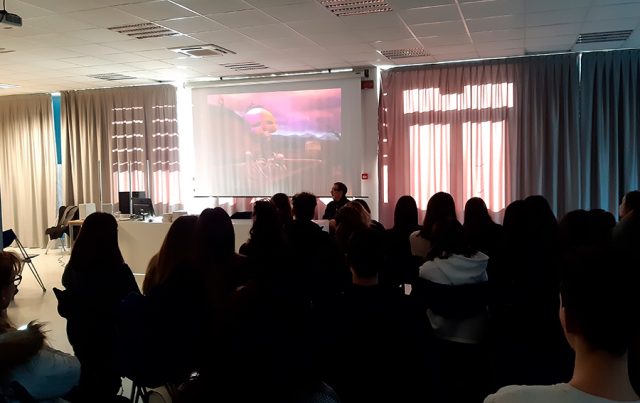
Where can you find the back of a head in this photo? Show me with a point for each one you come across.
(304, 206)
(598, 298)
(440, 205)
(573, 229)
(365, 253)
(97, 243)
(10, 266)
(632, 201)
(476, 215)
(177, 250)
(515, 219)
(405, 215)
(215, 236)
(364, 205)
(542, 223)
(266, 231)
(353, 215)
(281, 201)
(447, 238)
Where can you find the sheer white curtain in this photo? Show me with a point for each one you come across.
(125, 128)
(28, 168)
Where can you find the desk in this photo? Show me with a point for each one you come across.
(73, 226)
(140, 240)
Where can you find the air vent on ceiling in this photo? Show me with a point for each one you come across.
(404, 53)
(607, 36)
(203, 50)
(111, 77)
(5, 50)
(343, 8)
(244, 66)
(144, 31)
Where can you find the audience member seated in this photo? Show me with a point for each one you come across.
(453, 286)
(350, 219)
(152, 353)
(339, 196)
(599, 318)
(481, 232)
(403, 266)
(315, 253)
(440, 205)
(96, 281)
(25, 357)
(529, 347)
(266, 237)
(374, 338)
(374, 224)
(283, 205)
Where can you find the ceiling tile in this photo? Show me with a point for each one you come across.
(368, 21)
(511, 44)
(98, 35)
(157, 10)
(609, 25)
(190, 25)
(439, 29)
(275, 3)
(550, 5)
(445, 40)
(158, 54)
(292, 41)
(86, 61)
(58, 39)
(220, 37)
(240, 19)
(320, 27)
(26, 10)
(559, 43)
(171, 42)
(63, 6)
(492, 8)
(124, 57)
(553, 30)
(556, 17)
(94, 50)
(107, 17)
(617, 11)
(265, 32)
(59, 23)
(133, 45)
(205, 7)
(406, 4)
(496, 23)
(500, 35)
(450, 50)
(430, 14)
(389, 45)
(634, 39)
(385, 34)
(299, 12)
(150, 65)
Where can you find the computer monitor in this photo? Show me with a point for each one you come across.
(123, 199)
(143, 207)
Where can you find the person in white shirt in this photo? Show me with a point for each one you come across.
(598, 313)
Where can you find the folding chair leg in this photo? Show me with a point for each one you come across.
(48, 246)
(27, 260)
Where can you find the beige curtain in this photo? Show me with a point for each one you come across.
(28, 174)
(132, 132)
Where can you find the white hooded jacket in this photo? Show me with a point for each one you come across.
(458, 270)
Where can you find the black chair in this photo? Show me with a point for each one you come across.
(65, 214)
(9, 237)
(241, 215)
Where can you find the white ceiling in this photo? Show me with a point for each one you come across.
(61, 42)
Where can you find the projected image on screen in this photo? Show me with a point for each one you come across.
(257, 144)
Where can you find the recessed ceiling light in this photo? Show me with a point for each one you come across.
(3, 86)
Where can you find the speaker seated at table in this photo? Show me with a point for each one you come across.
(142, 207)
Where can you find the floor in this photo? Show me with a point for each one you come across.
(32, 304)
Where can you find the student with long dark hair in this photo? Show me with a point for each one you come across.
(440, 205)
(96, 280)
(403, 267)
(481, 232)
(283, 205)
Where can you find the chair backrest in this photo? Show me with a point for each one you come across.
(69, 214)
(61, 211)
